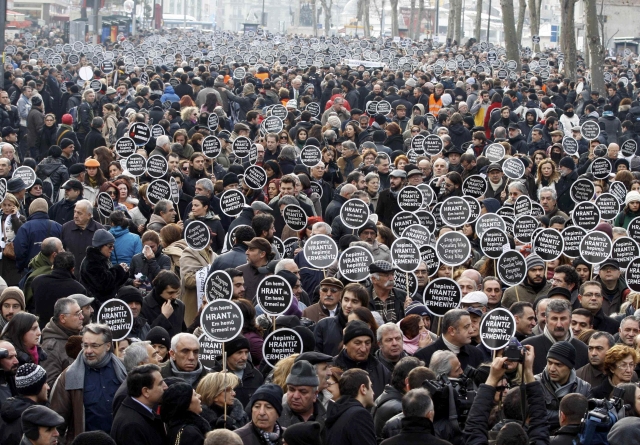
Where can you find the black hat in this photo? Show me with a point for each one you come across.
(129, 294)
(269, 393)
(269, 268)
(559, 291)
(30, 378)
(75, 169)
(305, 433)
(610, 262)
(39, 415)
(369, 225)
(237, 344)
(314, 357)
(302, 374)
(454, 150)
(14, 185)
(379, 136)
(564, 352)
(176, 400)
(6, 131)
(98, 437)
(290, 277)
(380, 266)
(357, 328)
(513, 126)
(230, 178)
(567, 162)
(380, 119)
(36, 101)
(72, 184)
(494, 166)
(159, 336)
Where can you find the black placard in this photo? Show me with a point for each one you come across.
(629, 147)
(595, 247)
(582, 190)
(522, 206)
(441, 295)
(426, 219)
(255, 177)
(310, 156)
(433, 145)
(418, 234)
(272, 124)
(354, 263)
(405, 254)
(624, 250)
(158, 190)
(523, 228)
(140, 133)
(211, 147)
(455, 211)
(157, 166)
(513, 168)
(27, 174)
(118, 316)
(497, 328)
(383, 107)
(512, 267)
(232, 202)
(295, 217)
(105, 204)
(213, 121)
(570, 145)
(586, 215)
(474, 185)
(430, 257)
(548, 244)
(400, 282)
(354, 213)
(488, 221)
(572, 237)
(241, 146)
(210, 351)
(401, 221)
(632, 275)
(218, 286)
(157, 131)
(281, 344)
(313, 108)
(175, 190)
(505, 211)
(453, 248)
(608, 205)
(274, 295)
(633, 229)
(493, 243)
(290, 245)
(601, 168)
(136, 164)
(537, 209)
(222, 320)
(474, 207)
(427, 194)
(197, 235)
(417, 144)
(125, 147)
(280, 111)
(3, 189)
(495, 152)
(590, 130)
(320, 251)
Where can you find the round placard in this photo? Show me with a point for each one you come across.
(497, 328)
(453, 248)
(280, 344)
(582, 190)
(354, 263)
(218, 286)
(140, 133)
(512, 267)
(310, 156)
(294, 217)
(27, 174)
(410, 198)
(632, 275)
(197, 235)
(548, 244)
(157, 166)
(232, 202)
(354, 213)
(320, 251)
(222, 320)
(158, 190)
(586, 215)
(495, 152)
(274, 295)
(493, 243)
(624, 250)
(608, 205)
(433, 145)
(455, 211)
(441, 295)
(136, 165)
(474, 185)
(590, 130)
(241, 146)
(405, 254)
(255, 177)
(401, 221)
(118, 316)
(595, 247)
(513, 168)
(210, 351)
(601, 168)
(211, 147)
(105, 204)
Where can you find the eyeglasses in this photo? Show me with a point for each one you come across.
(185, 169)
(75, 314)
(283, 137)
(109, 246)
(332, 290)
(92, 345)
(624, 366)
(592, 294)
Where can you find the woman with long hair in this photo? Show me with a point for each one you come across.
(47, 136)
(272, 190)
(124, 198)
(110, 128)
(364, 314)
(394, 140)
(181, 137)
(196, 141)
(351, 132)
(332, 175)
(547, 175)
(414, 333)
(210, 103)
(115, 170)
(93, 179)
(23, 332)
(301, 138)
(189, 116)
(217, 391)
(631, 210)
(105, 157)
(284, 138)
(200, 211)
(173, 244)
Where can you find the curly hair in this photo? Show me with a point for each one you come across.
(616, 354)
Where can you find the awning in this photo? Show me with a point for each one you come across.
(21, 24)
(60, 17)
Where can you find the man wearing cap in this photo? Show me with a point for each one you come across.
(387, 206)
(239, 363)
(496, 183)
(517, 140)
(330, 296)
(534, 286)
(265, 408)
(31, 234)
(18, 188)
(358, 339)
(386, 299)
(32, 389)
(11, 302)
(558, 379)
(8, 367)
(302, 404)
(39, 425)
(614, 288)
(591, 298)
(258, 255)
(63, 211)
(369, 234)
(322, 366)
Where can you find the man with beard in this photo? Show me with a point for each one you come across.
(548, 198)
(387, 206)
(8, 367)
(435, 100)
(593, 372)
(533, 287)
(369, 234)
(85, 390)
(558, 317)
(133, 298)
(196, 172)
(386, 299)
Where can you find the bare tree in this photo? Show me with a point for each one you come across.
(509, 25)
(522, 9)
(314, 17)
(326, 7)
(394, 18)
(412, 19)
(365, 18)
(457, 30)
(606, 42)
(418, 28)
(451, 21)
(534, 19)
(477, 29)
(596, 49)
(568, 37)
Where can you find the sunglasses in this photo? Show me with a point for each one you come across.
(111, 192)
(185, 169)
(109, 246)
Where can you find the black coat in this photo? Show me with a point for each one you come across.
(11, 425)
(387, 405)
(602, 322)
(565, 435)
(378, 373)
(468, 356)
(328, 334)
(47, 289)
(99, 277)
(415, 431)
(152, 311)
(133, 423)
(183, 89)
(62, 211)
(333, 208)
(191, 427)
(563, 186)
(349, 423)
(542, 345)
(251, 380)
(93, 140)
(387, 207)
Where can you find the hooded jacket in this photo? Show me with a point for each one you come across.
(169, 95)
(126, 246)
(56, 171)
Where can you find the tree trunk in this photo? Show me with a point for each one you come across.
(522, 9)
(365, 18)
(451, 21)
(509, 26)
(458, 22)
(410, 31)
(534, 20)
(418, 28)
(394, 18)
(381, 18)
(478, 25)
(326, 8)
(314, 18)
(568, 37)
(596, 49)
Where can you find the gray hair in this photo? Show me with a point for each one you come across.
(99, 329)
(441, 362)
(176, 339)
(222, 437)
(500, 133)
(288, 152)
(162, 206)
(319, 225)
(598, 334)
(557, 306)
(554, 195)
(417, 403)
(88, 207)
(519, 186)
(349, 145)
(451, 319)
(62, 307)
(206, 184)
(371, 176)
(629, 318)
(288, 200)
(163, 140)
(382, 330)
(136, 354)
(282, 264)
(621, 231)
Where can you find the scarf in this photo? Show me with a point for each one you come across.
(553, 340)
(33, 352)
(562, 390)
(410, 345)
(266, 436)
(75, 372)
(496, 186)
(189, 376)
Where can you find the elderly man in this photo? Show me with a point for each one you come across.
(445, 363)
(338, 109)
(31, 235)
(42, 264)
(388, 300)
(85, 390)
(614, 288)
(322, 367)
(239, 363)
(67, 320)
(629, 330)
(533, 287)
(302, 404)
(163, 146)
(163, 213)
(86, 307)
(184, 362)
(258, 255)
(266, 408)
(330, 296)
(390, 344)
(558, 321)
(548, 200)
(78, 234)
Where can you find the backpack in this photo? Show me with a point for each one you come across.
(74, 114)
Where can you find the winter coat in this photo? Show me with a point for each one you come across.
(169, 95)
(394, 142)
(54, 339)
(379, 375)
(191, 427)
(552, 401)
(174, 252)
(524, 293)
(251, 435)
(349, 423)
(288, 417)
(387, 207)
(66, 132)
(613, 127)
(183, 89)
(236, 414)
(328, 334)
(110, 128)
(192, 261)
(232, 259)
(11, 413)
(28, 240)
(152, 312)
(563, 187)
(62, 211)
(35, 122)
(76, 240)
(459, 135)
(150, 268)
(468, 355)
(47, 289)
(624, 218)
(519, 145)
(93, 140)
(56, 171)
(215, 226)
(135, 424)
(47, 139)
(100, 277)
(126, 246)
(251, 380)
(85, 117)
(387, 405)
(542, 345)
(416, 431)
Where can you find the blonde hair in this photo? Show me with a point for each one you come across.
(187, 112)
(214, 384)
(282, 371)
(11, 197)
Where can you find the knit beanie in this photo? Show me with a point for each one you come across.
(67, 119)
(230, 178)
(93, 438)
(269, 393)
(625, 431)
(30, 378)
(369, 225)
(631, 197)
(176, 400)
(159, 336)
(564, 352)
(302, 374)
(289, 277)
(237, 344)
(13, 292)
(38, 205)
(100, 237)
(357, 328)
(305, 433)
(534, 261)
(129, 294)
(567, 162)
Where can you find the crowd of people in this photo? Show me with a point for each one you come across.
(377, 365)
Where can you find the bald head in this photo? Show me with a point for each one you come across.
(50, 247)
(347, 190)
(473, 275)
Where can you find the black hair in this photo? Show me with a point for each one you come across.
(163, 280)
(141, 377)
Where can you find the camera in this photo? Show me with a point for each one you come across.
(600, 417)
(452, 397)
(513, 351)
(4, 353)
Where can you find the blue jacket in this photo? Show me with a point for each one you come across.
(169, 94)
(29, 238)
(126, 246)
(233, 258)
